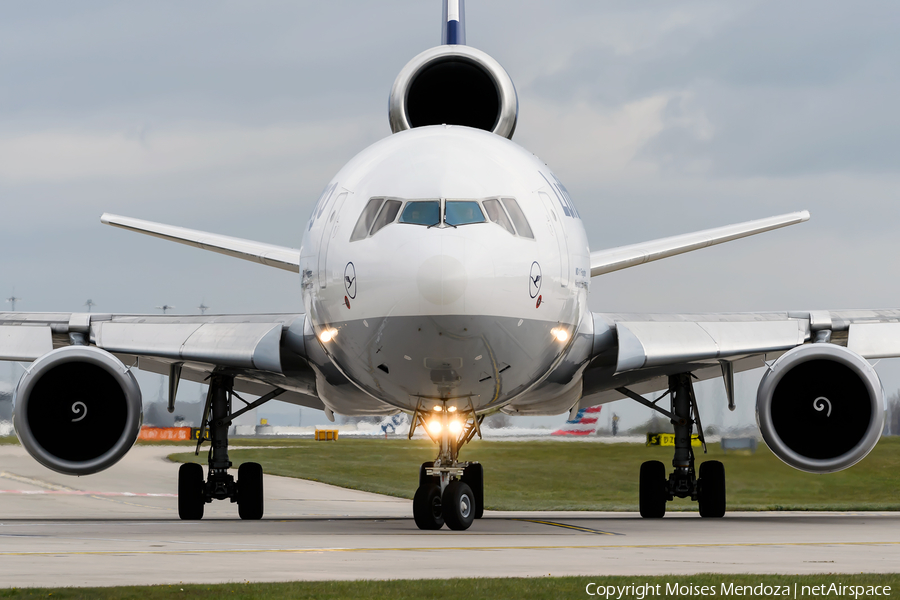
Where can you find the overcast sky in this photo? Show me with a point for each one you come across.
(660, 117)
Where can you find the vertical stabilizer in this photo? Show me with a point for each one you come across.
(584, 423)
(453, 29)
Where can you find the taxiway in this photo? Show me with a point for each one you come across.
(120, 527)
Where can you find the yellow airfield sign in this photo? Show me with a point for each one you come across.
(668, 439)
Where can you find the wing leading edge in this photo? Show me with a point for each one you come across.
(258, 252)
(623, 257)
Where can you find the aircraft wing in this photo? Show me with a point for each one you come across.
(641, 350)
(623, 257)
(258, 252)
(263, 351)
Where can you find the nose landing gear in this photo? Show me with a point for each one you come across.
(708, 490)
(450, 492)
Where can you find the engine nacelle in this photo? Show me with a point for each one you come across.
(454, 85)
(77, 410)
(820, 408)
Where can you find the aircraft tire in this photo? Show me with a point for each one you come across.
(190, 492)
(458, 505)
(427, 510)
(250, 491)
(711, 495)
(474, 478)
(653, 495)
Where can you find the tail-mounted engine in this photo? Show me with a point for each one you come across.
(454, 85)
(820, 408)
(77, 410)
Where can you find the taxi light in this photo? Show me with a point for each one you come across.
(438, 409)
(434, 426)
(560, 334)
(451, 409)
(327, 335)
(455, 427)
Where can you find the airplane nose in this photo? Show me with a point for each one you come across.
(442, 279)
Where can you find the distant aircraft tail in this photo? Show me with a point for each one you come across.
(453, 29)
(584, 423)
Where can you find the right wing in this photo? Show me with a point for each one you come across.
(262, 351)
(258, 252)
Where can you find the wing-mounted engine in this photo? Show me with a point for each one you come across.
(820, 408)
(77, 410)
(454, 85)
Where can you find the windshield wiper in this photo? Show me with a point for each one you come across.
(433, 225)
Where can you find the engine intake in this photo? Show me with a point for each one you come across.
(77, 410)
(820, 408)
(454, 85)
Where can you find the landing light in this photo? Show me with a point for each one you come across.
(455, 427)
(434, 426)
(327, 335)
(438, 409)
(560, 334)
(451, 409)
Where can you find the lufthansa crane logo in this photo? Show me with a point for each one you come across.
(820, 403)
(534, 280)
(350, 280)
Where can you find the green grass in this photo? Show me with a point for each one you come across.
(539, 588)
(556, 475)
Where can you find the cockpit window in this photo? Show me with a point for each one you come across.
(518, 217)
(426, 212)
(497, 215)
(366, 219)
(380, 212)
(387, 215)
(462, 212)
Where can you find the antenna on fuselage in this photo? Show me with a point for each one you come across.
(453, 28)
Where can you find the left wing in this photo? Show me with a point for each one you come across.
(623, 257)
(643, 349)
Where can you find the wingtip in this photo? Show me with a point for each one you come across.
(804, 215)
(104, 218)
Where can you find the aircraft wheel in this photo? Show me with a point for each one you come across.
(653, 495)
(250, 491)
(711, 495)
(473, 476)
(190, 492)
(427, 507)
(458, 505)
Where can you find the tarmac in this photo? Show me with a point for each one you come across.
(120, 527)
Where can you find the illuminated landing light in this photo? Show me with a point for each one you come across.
(451, 409)
(438, 409)
(434, 426)
(560, 334)
(455, 427)
(327, 335)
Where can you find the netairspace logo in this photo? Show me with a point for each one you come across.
(659, 590)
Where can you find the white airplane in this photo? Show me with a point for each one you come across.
(445, 274)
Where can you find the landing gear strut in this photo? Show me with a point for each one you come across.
(450, 492)
(193, 491)
(708, 490)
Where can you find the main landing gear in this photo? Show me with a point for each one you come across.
(193, 490)
(708, 490)
(450, 492)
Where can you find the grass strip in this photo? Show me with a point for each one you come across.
(537, 588)
(555, 475)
